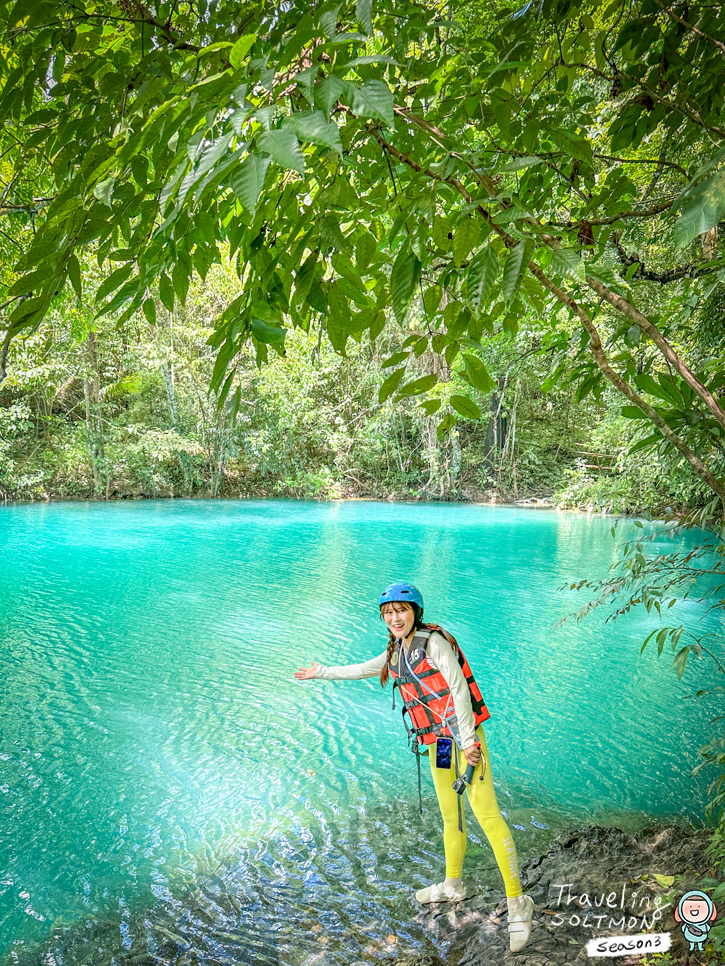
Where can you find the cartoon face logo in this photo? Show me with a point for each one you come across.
(695, 911)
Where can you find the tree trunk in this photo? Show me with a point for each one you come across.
(4, 357)
(94, 425)
(170, 394)
(184, 458)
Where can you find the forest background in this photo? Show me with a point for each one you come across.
(419, 251)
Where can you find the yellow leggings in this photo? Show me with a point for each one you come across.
(482, 796)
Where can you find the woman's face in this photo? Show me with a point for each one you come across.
(399, 618)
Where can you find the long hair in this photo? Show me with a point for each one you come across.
(417, 625)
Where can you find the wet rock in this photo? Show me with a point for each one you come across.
(424, 959)
(591, 882)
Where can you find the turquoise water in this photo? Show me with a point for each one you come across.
(168, 788)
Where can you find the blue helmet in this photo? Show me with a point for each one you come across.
(406, 593)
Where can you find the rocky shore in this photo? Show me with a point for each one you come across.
(584, 885)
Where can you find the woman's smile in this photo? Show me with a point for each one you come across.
(399, 618)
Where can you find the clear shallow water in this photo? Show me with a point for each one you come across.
(168, 788)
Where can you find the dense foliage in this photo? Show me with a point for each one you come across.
(123, 410)
(359, 161)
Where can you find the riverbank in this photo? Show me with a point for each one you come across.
(587, 880)
(478, 497)
(592, 882)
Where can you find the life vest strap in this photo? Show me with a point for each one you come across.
(426, 698)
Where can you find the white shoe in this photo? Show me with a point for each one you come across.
(441, 892)
(520, 924)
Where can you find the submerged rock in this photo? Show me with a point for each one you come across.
(586, 873)
(591, 882)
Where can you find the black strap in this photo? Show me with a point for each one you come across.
(420, 792)
(426, 698)
(454, 749)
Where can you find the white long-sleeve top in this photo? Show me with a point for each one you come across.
(441, 656)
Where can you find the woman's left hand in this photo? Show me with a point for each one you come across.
(472, 754)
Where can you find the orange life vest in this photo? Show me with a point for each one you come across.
(427, 699)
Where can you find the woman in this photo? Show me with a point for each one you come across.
(446, 709)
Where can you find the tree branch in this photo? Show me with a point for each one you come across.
(671, 275)
(647, 213)
(598, 352)
(4, 356)
(657, 161)
(686, 112)
(615, 300)
(651, 330)
(689, 26)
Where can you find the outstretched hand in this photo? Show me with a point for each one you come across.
(304, 673)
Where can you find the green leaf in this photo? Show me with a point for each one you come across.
(374, 99)
(478, 373)
(466, 407)
(664, 880)
(330, 233)
(420, 346)
(418, 386)
(305, 81)
(316, 297)
(574, 145)
(74, 274)
(166, 291)
(450, 315)
(265, 312)
(395, 359)
(668, 392)
(269, 334)
(703, 206)
(482, 273)
(365, 251)
(149, 310)
(377, 325)
(390, 384)
(514, 268)
(328, 92)
(520, 164)
(441, 230)
(430, 406)
(129, 291)
(631, 412)
(240, 50)
(364, 15)
(180, 278)
(284, 148)
(114, 280)
(328, 20)
(103, 190)
(646, 443)
(445, 425)
(431, 298)
(566, 262)
(313, 126)
(464, 239)
(304, 276)
(403, 279)
(247, 181)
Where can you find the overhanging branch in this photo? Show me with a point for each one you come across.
(671, 275)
